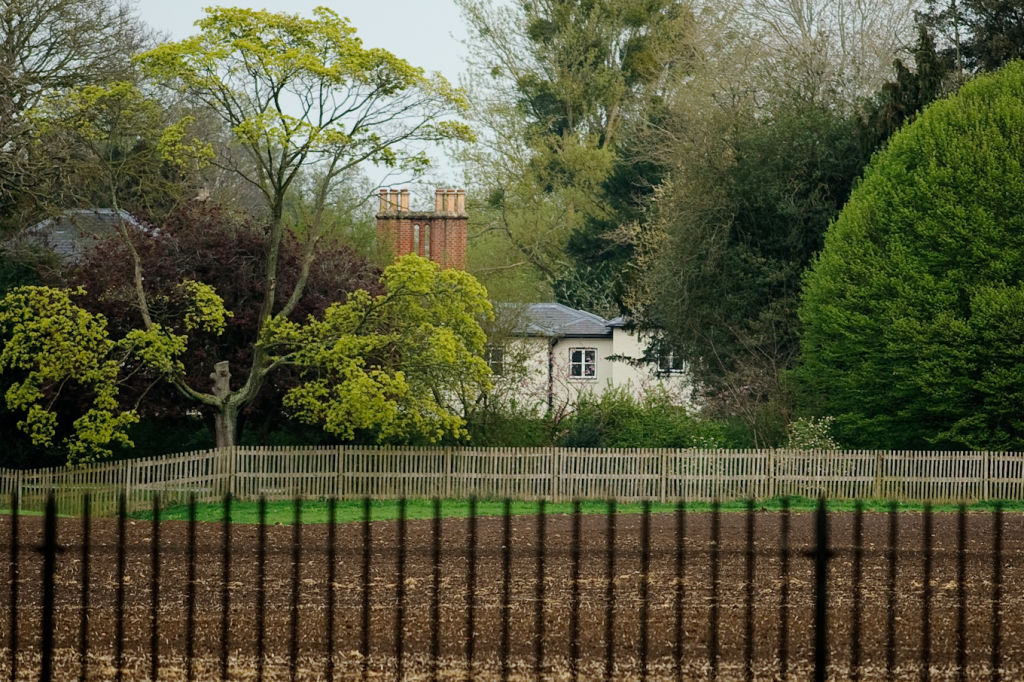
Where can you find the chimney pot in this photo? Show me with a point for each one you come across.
(438, 200)
(383, 201)
(460, 201)
(393, 200)
(450, 200)
(405, 199)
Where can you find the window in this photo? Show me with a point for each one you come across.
(670, 363)
(495, 357)
(583, 363)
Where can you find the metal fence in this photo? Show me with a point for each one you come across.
(527, 474)
(781, 595)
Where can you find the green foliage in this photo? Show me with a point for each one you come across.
(50, 46)
(119, 145)
(618, 420)
(16, 269)
(930, 76)
(51, 345)
(979, 35)
(559, 88)
(298, 91)
(811, 433)
(731, 232)
(204, 308)
(397, 363)
(912, 312)
(512, 425)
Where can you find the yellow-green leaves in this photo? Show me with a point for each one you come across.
(50, 344)
(205, 308)
(175, 149)
(297, 91)
(397, 364)
(121, 138)
(156, 348)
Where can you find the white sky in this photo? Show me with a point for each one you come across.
(425, 33)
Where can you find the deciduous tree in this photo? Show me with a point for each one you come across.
(300, 95)
(47, 47)
(226, 250)
(557, 86)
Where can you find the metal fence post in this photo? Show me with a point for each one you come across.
(821, 556)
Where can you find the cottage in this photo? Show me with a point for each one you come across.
(555, 354)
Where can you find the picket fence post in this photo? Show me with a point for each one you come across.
(988, 475)
(663, 463)
(232, 468)
(555, 474)
(448, 472)
(339, 478)
(127, 478)
(879, 461)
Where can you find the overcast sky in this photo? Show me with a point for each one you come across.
(425, 33)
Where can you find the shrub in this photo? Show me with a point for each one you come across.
(914, 311)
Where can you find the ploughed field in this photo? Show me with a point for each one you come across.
(697, 610)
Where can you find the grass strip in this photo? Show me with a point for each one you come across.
(348, 511)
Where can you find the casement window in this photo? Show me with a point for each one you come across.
(495, 357)
(583, 363)
(670, 363)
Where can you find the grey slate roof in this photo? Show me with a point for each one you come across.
(71, 234)
(555, 319)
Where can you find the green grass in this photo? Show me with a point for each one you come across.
(348, 511)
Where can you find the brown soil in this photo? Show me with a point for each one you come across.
(593, 580)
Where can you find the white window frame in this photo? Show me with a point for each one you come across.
(667, 363)
(582, 358)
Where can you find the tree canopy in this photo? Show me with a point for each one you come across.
(51, 350)
(48, 47)
(226, 250)
(300, 95)
(912, 334)
(557, 87)
(396, 365)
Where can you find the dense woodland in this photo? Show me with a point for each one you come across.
(684, 163)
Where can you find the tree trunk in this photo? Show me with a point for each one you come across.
(225, 422)
(225, 425)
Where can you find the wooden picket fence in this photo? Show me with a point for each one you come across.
(555, 474)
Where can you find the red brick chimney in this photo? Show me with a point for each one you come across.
(439, 235)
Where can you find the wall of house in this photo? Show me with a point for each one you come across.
(526, 378)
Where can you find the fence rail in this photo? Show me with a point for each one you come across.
(556, 474)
